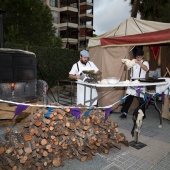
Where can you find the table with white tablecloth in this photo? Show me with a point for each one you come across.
(123, 84)
(166, 104)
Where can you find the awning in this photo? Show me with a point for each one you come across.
(157, 37)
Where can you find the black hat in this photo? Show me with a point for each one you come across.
(139, 53)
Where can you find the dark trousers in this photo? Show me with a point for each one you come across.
(129, 101)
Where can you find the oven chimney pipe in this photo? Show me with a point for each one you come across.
(1, 28)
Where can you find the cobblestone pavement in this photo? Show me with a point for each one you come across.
(154, 156)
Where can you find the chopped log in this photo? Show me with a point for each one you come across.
(77, 123)
(11, 163)
(43, 142)
(2, 150)
(45, 153)
(9, 150)
(49, 142)
(60, 116)
(61, 112)
(27, 147)
(23, 160)
(14, 168)
(82, 158)
(38, 123)
(20, 151)
(56, 162)
(67, 110)
(27, 137)
(46, 121)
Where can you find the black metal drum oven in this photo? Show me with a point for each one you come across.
(18, 75)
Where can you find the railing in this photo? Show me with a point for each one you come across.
(67, 92)
(70, 5)
(69, 36)
(64, 20)
(90, 1)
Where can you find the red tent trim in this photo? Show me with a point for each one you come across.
(156, 37)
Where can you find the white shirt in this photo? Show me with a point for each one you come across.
(137, 72)
(80, 88)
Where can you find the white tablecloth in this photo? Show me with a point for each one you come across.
(163, 88)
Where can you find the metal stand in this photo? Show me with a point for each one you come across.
(135, 143)
(157, 108)
(138, 145)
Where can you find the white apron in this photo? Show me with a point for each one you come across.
(80, 95)
(76, 70)
(136, 73)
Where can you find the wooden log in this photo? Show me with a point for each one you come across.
(23, 159)
(27, 147)
(20, 151)
(43, 142)
(11, 163)
(9, 150)
(81, 158)
(56, 162)
(2, 150)
(38, 123)
(45, 153)
(61, 112)
(27, 137)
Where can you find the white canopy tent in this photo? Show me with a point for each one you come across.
(107, 56)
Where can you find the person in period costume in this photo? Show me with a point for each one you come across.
(76, 74)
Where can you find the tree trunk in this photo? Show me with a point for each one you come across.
(135, 8)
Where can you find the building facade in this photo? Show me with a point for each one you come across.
(73, 20)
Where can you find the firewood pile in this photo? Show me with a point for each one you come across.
(45, 143)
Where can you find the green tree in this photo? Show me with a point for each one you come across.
(28, 22)
(154, 10)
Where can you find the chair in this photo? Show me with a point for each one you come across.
(167, 72)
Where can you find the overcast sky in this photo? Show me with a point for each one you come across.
(109, 13)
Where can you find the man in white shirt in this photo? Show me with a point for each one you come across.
(75, 74)
(139, 70)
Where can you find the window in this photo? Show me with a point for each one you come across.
(55, 16)
(54, 3)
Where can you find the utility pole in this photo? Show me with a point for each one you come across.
(1, 28)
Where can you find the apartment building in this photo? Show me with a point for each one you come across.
(73, 20)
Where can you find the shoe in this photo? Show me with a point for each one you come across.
(123, 115)
(144, 116)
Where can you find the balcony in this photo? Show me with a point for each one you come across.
(69, 20)
(86, 11)
(69, 33)
(86, 2)
(69, 3)
(72, 25)
(86, 25)
(70, 40)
